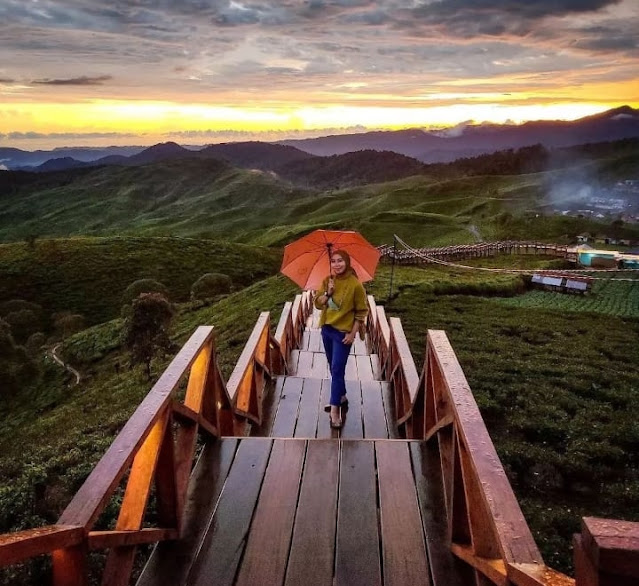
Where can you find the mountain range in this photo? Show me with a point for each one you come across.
(422, 146)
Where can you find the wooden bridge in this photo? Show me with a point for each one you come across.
(410, 491)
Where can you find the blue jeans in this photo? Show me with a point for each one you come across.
(337, 354)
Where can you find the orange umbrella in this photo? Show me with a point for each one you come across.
(307, 260)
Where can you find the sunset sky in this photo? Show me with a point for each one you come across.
(88, 72)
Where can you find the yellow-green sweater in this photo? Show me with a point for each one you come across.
(350, 296)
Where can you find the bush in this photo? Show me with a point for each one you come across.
(35, 343)
(18, 305)
(17, 370)
(135, 289)
(210, 285)
(67, 324)
(23, 322)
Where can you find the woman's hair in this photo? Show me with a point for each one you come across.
(347, 260)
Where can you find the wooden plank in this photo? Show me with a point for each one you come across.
(403, 351)
(446, 569)
(70, 566)
(309, 409)
(170, 563)
(352, 417)
(315, 343)
(351, 368)
(493, 569)
(108, 539)
(313, 546)
(389, 410)
(22, 545)
(357, 560)
(305, 364)
(271, 402)
(223, 544)
(375, 425)
(287, 409)
(377, 372)
(323, 423)
(403, 547)
(364, 368)
(269, 540)
(320, 366)
(306, 340)
(293, 362)
(359, 347)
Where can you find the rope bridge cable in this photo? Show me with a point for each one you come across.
(575, 272)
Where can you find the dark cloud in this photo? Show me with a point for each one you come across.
(608, 44)
(84, 80)
(469, 18)
(3, 80)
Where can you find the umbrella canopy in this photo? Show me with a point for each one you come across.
(307, 260)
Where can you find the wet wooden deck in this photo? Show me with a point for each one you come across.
(307, 512)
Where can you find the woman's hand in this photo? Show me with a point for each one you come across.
(330, 287)
(349, 338)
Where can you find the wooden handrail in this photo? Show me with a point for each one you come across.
(152, 454)
(396, 364)
(260, 360)
(487, 528)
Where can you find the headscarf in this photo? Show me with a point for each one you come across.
(347, 260)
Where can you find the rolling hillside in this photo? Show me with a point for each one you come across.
(209, 198)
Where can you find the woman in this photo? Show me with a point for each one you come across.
(342, 300)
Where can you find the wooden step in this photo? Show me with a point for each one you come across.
(309, 364)
(294, 407)
(288, 512)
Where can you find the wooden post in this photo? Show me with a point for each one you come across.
(607, 553)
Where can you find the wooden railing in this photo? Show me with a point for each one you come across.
(483, 249)
(486, 526)
(152, 454)
(260, 361)
(290, 327)
(397, 366)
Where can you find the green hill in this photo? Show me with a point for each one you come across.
(208, 198)
(89, 275)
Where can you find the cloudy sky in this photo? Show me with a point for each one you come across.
(201, 71)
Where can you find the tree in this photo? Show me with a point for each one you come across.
(147, 328)
(135, 289)
(209, 285)
(17, 370)
(23, 322)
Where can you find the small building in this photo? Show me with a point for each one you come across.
(583, 238)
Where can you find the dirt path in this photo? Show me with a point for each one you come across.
(58, 360)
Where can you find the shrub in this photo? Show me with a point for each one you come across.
(18, 305)
(35, 343)
(23, 322)
(67, 324)
(210, 285)
(135, 289)
(17, 370)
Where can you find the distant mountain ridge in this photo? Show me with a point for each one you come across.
(288, 157)
(436, 147)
